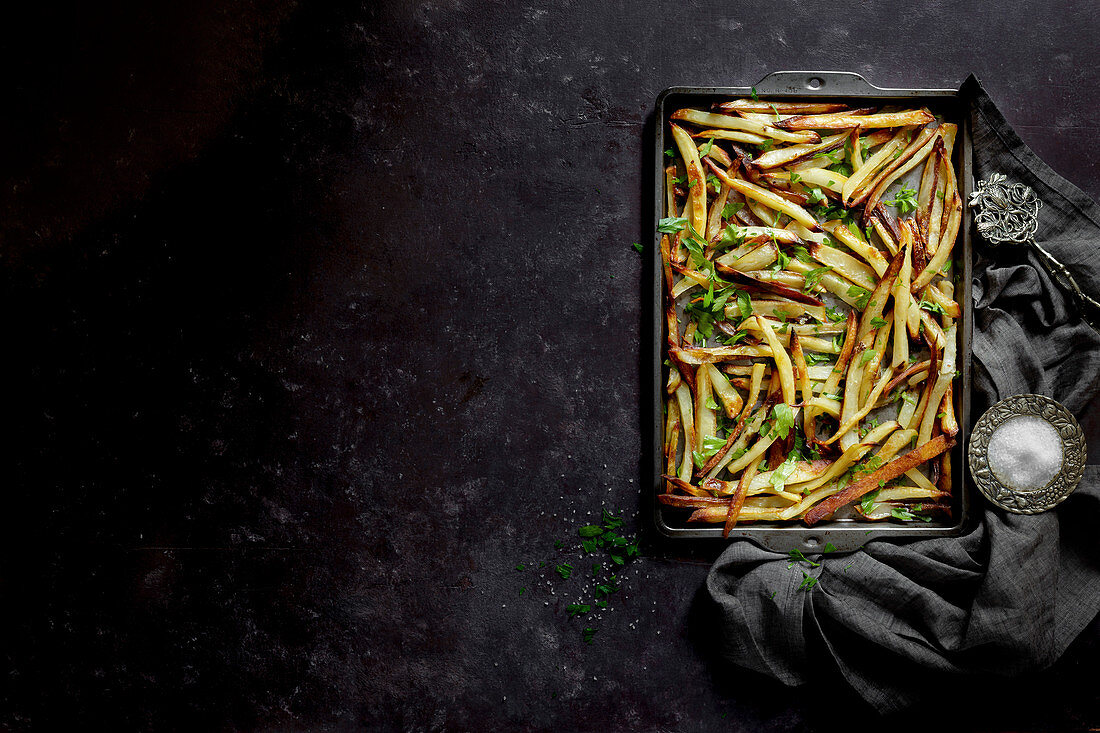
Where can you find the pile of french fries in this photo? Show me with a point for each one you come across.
(810, 313)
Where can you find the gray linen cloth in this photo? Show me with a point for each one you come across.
(897, 617)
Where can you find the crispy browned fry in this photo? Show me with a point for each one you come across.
(901, 295)
(690, 502)
(953, 217)
(719, 155)
(696, 210)
(905, 163)
(787, 155)
(948, 424)
(686, 486)
(877, 301)
(889, 472)
(870, 192)
(855, 151)
(754, 105)
(767, 286)
(728, 122)
(867, 122)
(929, 184)
(910, 371)
(737, 501)
(870, 254)
(714, 221)
(769, 199)
(802, 378)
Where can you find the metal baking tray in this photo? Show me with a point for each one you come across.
(844, 534)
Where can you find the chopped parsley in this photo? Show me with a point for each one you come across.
(867, 503)
(638, 246)
(782, 473)
(932, 307)
(813, 278)
(797, 557)
(730, 209)
(862, 296)
(905, 200)
(782, 420)
(671, 225)
(900, 512)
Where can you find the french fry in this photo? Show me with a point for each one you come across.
(687, 421)
(714, 221)
(845, 264)
(720, 385)
(943, 380)
(949, 307)
(735, 135)
(792, 153)
(886, 228)
(929, 185)
(857, 244)
(871, 371)
(727, 122)
(835, 122)
(912, 156)
(672, 438)
(737, 501)
(878, 297)
(782, 361)
(771, 200)
(716, 354)
(889, 472)
(802, 377)
(780, 107)
(872, 165)
(811, 177)
(901, 307)
(697, 195)
(855, 150)
(774, 234)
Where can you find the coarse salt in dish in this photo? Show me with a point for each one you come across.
(1025, 453)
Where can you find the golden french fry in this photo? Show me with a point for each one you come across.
(889, 472)
(834, 122)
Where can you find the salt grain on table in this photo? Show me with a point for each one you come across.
(1025, 453)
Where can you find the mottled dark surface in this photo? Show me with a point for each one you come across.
(320, 319)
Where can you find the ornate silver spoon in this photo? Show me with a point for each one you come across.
(1009, 212)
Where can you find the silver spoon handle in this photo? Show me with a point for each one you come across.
(1090, 309)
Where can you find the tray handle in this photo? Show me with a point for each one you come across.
(808, 83)
(811, 543)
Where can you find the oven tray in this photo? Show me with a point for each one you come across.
(844, 534)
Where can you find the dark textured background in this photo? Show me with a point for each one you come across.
(320, 318)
